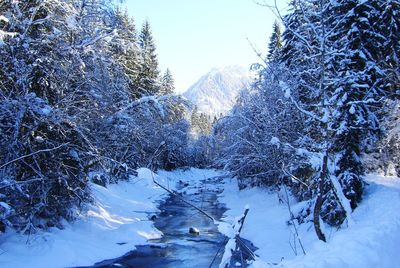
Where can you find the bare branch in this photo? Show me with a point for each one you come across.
(32, 154)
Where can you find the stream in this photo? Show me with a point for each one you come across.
(177, 247)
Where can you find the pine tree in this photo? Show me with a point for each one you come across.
(126, 51)
(388, 25)
(167, 83)
(147, 81)
(200, 123)
(358, 86)
(334, 51)
(275, 43)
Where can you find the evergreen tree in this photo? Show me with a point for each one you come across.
(147, 81)
(334, 53)
(275, 43)
(126, 51)
(387, 154)
(357, 84)
(201, 123)
(388, 25)
(167, 83)
(36, 52)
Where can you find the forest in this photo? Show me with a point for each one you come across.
(83, 100)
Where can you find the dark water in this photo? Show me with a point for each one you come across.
(178, 248)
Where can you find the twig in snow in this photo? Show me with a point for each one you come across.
(293, 223)
(182, 199)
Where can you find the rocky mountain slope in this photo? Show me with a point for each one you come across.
(216, 92)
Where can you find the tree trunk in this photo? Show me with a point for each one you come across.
(319, 201)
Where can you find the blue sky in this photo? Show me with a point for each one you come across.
(193, 36)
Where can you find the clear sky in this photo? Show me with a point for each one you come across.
(193, 36)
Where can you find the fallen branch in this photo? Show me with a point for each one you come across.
(182, 199)
(219, 249)
(237, 248)
(244, 246)
(241, 221)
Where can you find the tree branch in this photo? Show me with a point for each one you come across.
(32, 154)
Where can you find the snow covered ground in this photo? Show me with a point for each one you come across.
(119, 220)
(372, 241)
(111, 227)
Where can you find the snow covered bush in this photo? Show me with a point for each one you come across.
(252, 140)
(43, 158)
(148, 132)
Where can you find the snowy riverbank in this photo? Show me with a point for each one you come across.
(118, 221)
(372, 241)
(112, 226)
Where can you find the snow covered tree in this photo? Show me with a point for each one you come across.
(167, 83)
(275, 43)
(310, 55)
(200, 123)
(382, 154)
(70, 107)
(148, 78)
(388, 25)
(35, 51)
(176, 138)
(55, 82)
(333, 52)
(202, 151)
(358, 87)
(125, 49)
(43, 157)
(309, 118)
(250, 137)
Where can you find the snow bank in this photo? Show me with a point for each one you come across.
(265, 224)
(110, 228)
(373, 240)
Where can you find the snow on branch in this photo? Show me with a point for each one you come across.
(34, 153)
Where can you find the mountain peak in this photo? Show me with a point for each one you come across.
(216, 92)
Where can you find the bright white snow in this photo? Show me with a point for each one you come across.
(110, 228)
(118, 221)
(373, 240)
